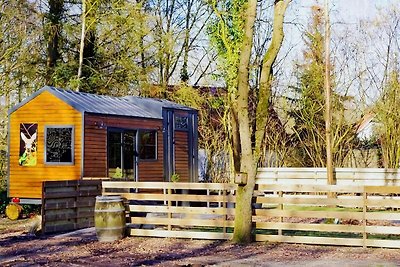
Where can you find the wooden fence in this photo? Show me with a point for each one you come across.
(317, 176)
(310, 214)
(68, 205)
(185, 210)
(331, 215)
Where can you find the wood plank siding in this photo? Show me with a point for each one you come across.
(95, 155)
(69, 205)
(182, 156)
(45, 110)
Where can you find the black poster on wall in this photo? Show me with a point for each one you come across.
(59, 145)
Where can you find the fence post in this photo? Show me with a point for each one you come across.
(169, 208)
(103, 189)
(364, 217)
(280, 208)
(219, 202)
(224, 205)
(208, 194)
(77, 196)
(165, 196)
(43, 209)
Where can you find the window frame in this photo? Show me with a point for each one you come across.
(155, 145)
(178, 124)
(72, 145)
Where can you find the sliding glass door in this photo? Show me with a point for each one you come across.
(122, 155)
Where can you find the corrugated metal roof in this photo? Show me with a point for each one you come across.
(99, 104)
(155, 105)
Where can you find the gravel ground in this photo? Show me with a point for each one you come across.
(81, 248)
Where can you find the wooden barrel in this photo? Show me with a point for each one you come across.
(109, 218)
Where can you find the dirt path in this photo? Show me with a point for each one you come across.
(82, 249)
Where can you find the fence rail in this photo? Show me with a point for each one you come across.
(185, 210)
(317, 176)
(353, 217)
(345, 214)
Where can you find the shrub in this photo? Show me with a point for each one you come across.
(3, 200)
(31, 209)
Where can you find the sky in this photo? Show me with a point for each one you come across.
(346, 12)
(350, 11)
(345, 16)
(354, 10)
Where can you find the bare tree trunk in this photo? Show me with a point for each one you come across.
(184, 70)
(328, 106)
(168, 55)
(82, 44)
(142, 47)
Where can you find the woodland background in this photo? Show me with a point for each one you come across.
(177, 49)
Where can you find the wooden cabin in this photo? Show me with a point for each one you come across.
(58, 134)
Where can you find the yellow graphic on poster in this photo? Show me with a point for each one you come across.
(28, 144)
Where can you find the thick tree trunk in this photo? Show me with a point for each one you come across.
(89, 53)
(240, 107)
(266, 72)
(53, 30)
(235, 135)
(243, 212)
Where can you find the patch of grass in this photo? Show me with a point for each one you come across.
(383, 237)
(334, 209)
(311, 233)
(210, 229)
(320, 208)
(327, 234)
(266, 232)
(322, 234)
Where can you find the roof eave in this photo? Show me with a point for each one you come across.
(27, 99)
(120, 115)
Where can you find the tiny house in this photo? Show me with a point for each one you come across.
(58, 134)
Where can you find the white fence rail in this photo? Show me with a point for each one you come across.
(318, 176)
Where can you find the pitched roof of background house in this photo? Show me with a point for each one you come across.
(364, 122)
(365, 127)
(155, 105)
(131, 106)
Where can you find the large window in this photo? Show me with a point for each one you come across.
(121, 154)
(59, 144)
(148, 144)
